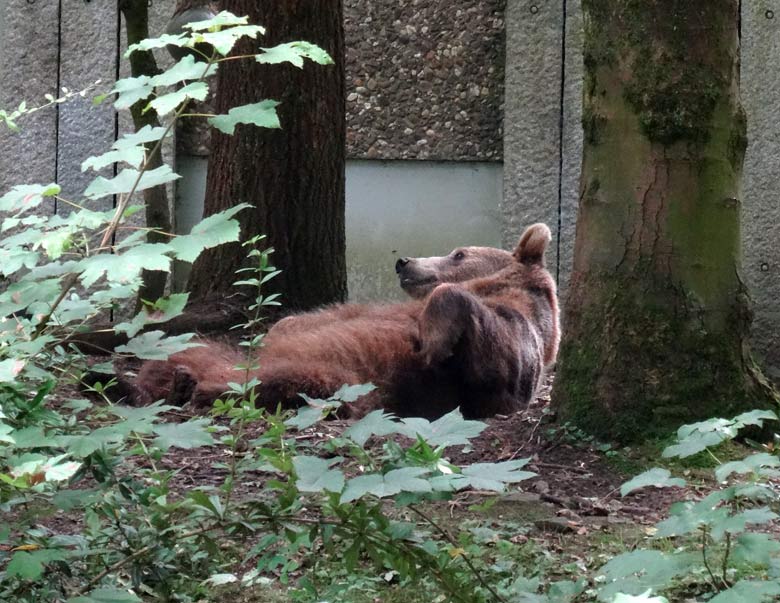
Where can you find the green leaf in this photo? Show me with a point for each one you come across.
(210, 232)
(83, 446)
(25, 197)
(393, 482)
(141, 418)
(167, 103)
(294, 52)
(695, 443)
(56, 242)
(53, 469)
(745, 591)
(495, 476)
(262, 114)
(187, 435)
(688, 516)
(221, 579)
(106, 595)
(752, 464)
(130, 155)
(218, 21)
(223, 41)
(755, 549)
(374, 423)
(645, 597)
(144, 135)
(186, 69)
(636, 572)
(27, 566)
(178, 40)
(69, 500)
(5, 433)
(566, 591)
(213, 504)
(131, 90)
(738, 522)
(126, 267)
(13, 260)
(696, 437)
(29, 438)
(155, 346)
(314, 475)
(10, 369)
(124, 182)
(350, 393)
(755, 417)
(162, 310)
(306, 417)
(450, 430)
(659, 478)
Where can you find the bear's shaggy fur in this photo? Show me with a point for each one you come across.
(478, 333)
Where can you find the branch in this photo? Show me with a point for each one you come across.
(465, 558)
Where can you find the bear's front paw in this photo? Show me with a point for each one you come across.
(182, 388)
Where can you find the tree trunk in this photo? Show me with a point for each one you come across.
(656, 317)
(294, 177)
(158, 215)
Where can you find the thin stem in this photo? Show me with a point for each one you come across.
(466, 560)
(71, 279)
(139, 553)
(67, 202)
(198, 115)
(125, 199)
(725, 566)
(146, 228)
(717, 460)
(236, 57)
(713, 579)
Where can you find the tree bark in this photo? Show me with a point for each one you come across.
(294, 177)
(656, 318)
(158, 215)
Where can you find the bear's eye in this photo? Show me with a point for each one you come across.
(459, 255)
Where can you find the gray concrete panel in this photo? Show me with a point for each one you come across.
(761, 185)
(532, 117)
(88, 53)
(29, 47)
(571, 165)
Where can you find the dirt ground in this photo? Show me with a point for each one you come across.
(577, 485)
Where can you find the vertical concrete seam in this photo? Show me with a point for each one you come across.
(117, 66)
(57, 106)
(560, 145)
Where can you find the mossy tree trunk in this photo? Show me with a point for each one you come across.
(294, 177)
(656, 317)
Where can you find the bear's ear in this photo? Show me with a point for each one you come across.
(533, 244)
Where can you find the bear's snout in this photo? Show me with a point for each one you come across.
(399, 265)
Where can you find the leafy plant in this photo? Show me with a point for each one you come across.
(714, 545)
(91, 508)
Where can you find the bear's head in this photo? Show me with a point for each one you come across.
(419, 276)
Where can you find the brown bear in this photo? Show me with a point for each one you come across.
(478, 334)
